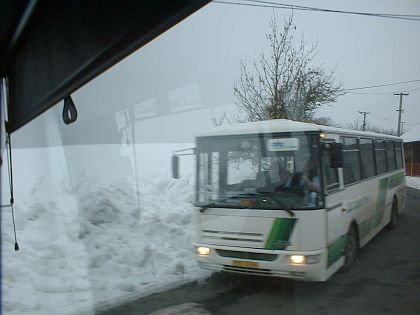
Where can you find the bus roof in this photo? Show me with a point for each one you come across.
(284, 125)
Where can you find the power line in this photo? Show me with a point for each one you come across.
(381, 85)
(334, 11)
(260, 3)
(275, 5)
(392, 120)
(370, 93)
(382, 93)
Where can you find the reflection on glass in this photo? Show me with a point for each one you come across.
(145, 109)
(185, 97)
(255, 167)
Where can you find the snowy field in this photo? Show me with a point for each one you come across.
(87, 239)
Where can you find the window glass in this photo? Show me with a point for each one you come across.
(380, 156)
(208, 176)
(351, 161)
(330, 174)
(214, 169)
(242, 166)
(390, 155)
(203, 176)
(398, 154)
(260, 171)
(367, 158)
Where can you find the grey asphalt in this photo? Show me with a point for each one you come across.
(385, 280)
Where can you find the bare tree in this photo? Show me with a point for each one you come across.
(323, 120)
(226, 117)
(358, 125)
(282, 83)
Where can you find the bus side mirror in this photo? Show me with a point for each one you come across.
(336, 155)
(175, 166)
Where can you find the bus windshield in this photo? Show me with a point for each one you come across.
(261, 171)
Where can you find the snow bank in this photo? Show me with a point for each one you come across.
(413, 182)
(88, 244)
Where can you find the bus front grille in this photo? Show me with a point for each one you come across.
(265, 272)
(248, 270)
(246, 255)
(223, 236)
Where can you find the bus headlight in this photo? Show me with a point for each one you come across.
(202, 251)
(297, 259)
(304, 260)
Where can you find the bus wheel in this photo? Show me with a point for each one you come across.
(350, 249)
(394, 215)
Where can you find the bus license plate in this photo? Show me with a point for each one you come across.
(244, 264)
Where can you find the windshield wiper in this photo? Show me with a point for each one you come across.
(287, 209)
(284, 205)
(215, 203)
(250, 195)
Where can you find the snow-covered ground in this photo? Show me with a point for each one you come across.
(413, 182)
(87, 239)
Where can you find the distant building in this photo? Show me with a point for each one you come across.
(412, 151)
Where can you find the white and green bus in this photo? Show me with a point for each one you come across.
(294, 200)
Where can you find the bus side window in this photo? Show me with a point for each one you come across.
(380, 156)
(398, 155)
(390, 155)
(351, 161)
(367, 158)
(330, 174)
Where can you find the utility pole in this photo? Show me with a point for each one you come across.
(400, 110)
(364, 119)
(402, 127)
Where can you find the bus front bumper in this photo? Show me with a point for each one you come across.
(275, 263)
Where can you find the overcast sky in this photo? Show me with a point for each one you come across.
(166, 91)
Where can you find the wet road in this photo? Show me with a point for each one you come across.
(385, 280)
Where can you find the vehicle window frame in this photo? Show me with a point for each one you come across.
(356, 180)
(377, 141)
(372, 143)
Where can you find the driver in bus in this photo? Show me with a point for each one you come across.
(310, 182)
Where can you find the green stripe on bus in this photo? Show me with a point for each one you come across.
(384, 184)
(280, 233)
(380, 200)
(395, 180)
(369, 224)
(336, 250)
